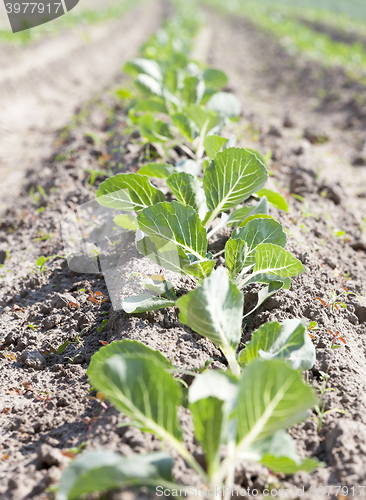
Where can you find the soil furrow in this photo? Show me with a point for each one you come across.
(52, 79)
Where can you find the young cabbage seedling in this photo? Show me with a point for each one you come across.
(249, 413)
(214, 310)
(175, 235)
(179, 101)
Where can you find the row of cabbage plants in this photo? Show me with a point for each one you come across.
(241, 413)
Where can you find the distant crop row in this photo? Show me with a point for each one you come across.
(241, 413)
(354, 9)
(297, 38)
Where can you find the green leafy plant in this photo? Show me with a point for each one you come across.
(248, 413)
(246, 409)
(102, 326)
(214, 310)
(320, 410)
(288, 340)
(178, 99)
(41, 262)
(175, 235)
(180, 103)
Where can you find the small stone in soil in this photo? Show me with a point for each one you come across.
(33, 359)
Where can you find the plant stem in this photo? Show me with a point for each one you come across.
(209, 222)
(231, 473)
(188, 151)
(219, 253)
(247, 278)
(189, 458)
(231, 359)
(201, 148)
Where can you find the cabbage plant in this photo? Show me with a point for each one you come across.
(175, 234)
(236, 416)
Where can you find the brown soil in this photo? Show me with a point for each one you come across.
(284, 100)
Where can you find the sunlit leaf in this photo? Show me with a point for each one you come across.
(145, 302)
(236, 252)
(272, 396)
(173, 237)
(157, 170)
(126, 220)
(188, 190)
(183, 124)
(103, 470)
(214, 78)
(273, 259)
(145, 66)
(203, 119)
(148, 85)
(288, 340)
(259, 231)
(240, 215)
(214, 144)
(193, 90)
(274, 198)
(278, 453)
(152, 129)
(128, 192)
(214, 309)
(233, 175)
(153, 105)
(225, 104)
(140, 387)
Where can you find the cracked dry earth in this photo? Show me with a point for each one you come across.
(282, 113)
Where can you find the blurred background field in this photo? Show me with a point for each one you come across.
(331, 32)
(85, 13)
(351, 8)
